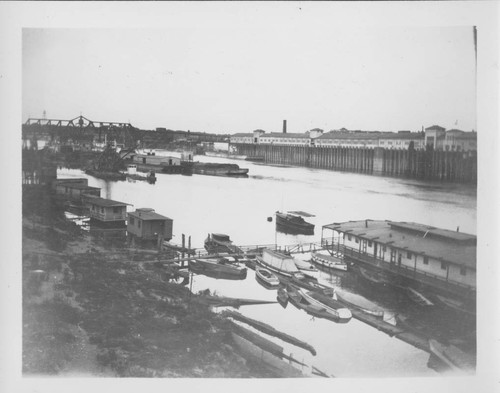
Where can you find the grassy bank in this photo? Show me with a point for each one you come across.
(98, 311)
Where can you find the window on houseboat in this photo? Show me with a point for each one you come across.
(369, 243)
(139, 223)
(356, 240)
(349, 237)
(132, 221)
(444, 265)
(102, 210)
(426, 260)
(408, 255)
(463, 271)
(116, 209)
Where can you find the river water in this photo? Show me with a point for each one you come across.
(240, 207)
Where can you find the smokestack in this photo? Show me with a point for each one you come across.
(284, 126)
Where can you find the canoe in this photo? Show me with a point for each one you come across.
(359, 302)
(267, 277)
(417, 297)
(329, 261)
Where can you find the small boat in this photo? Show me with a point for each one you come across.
(417, 297)
(282, 297)
(304, 300)
(267, 277)
(305, 266)
(312, 284)
(329, 261)
(217, 243)
(374, 277)
(359, 302)
(279, 263)
(293, 223)
(220, 267)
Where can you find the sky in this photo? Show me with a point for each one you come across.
(230, 79)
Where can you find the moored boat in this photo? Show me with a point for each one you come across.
(418, 297)
(293, 223)
(278, 263)
(359, 302)
(218, 268)
(215, 169)
(329, 261)
(217, 243)
(304, 300)
(267, 277)
(377, 278)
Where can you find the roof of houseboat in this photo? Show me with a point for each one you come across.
(105, 202)
(148, 215)
(442, 244)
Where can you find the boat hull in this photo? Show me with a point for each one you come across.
(329, 261)
(293, 224)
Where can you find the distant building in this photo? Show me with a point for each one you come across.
(434, 137)
(401, 140)
(348, 139)
(145, 224)
(439, 259)
(457, 140)
(280, 138)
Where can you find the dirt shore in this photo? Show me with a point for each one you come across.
(90, 309)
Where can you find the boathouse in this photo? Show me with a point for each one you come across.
(106, 211)
(439, 259)
(146, 224)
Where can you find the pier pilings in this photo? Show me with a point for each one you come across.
(447, 166)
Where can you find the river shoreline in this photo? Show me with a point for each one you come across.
(91, 309)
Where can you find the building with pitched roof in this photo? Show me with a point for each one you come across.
(146, 224)
(441, 260)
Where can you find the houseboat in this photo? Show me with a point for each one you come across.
(434, 260)
(279, 263)
(106, 211)
(293, 223)
(71, 192)
(146, 225)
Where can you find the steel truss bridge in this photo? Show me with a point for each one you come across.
(79, 121)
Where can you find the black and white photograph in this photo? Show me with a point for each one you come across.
(233, 191)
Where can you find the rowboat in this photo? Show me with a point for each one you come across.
(359, 302)
(329, 261)
(266, 276)
(304, 300)
(374, 277)
(417, 297)
(305, 266)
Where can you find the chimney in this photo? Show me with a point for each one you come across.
(284, 126)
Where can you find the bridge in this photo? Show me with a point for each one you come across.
(79, 121)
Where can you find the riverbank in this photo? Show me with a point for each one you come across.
(90, 309)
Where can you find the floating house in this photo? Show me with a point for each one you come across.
(146, 224)
(439, 260)
(74, 190)
(106, 211)
(160, 161)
